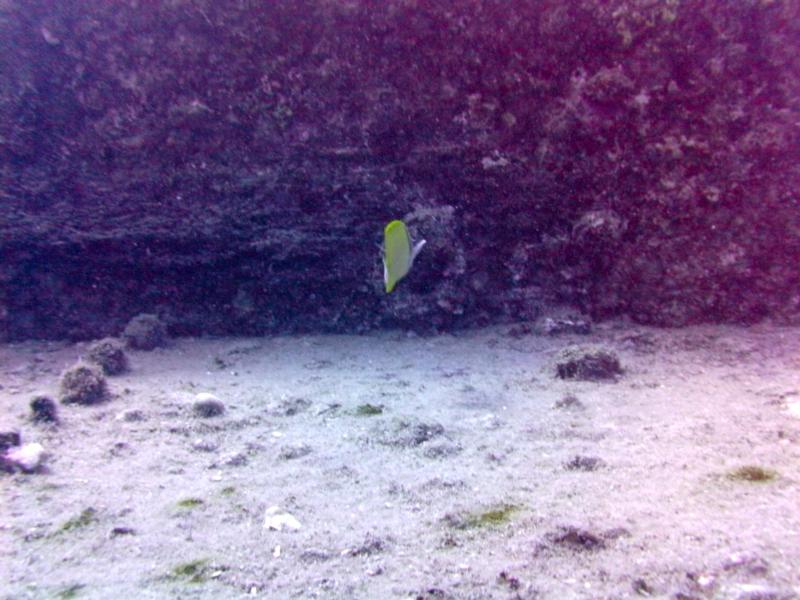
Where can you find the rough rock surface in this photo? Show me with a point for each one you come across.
(83, 384)
(230, 166)
(109, 355)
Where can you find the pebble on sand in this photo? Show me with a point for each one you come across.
(406, 432)
(131, 415)
(43, 409)
(793, 408)
(9, 439)
(291, 452)
(277, 519)
(580, 462)
(28, 457)
(205, 445)
(550, 326)
(569, 402)
(588, 363)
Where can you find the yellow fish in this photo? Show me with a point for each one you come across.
(398, 254)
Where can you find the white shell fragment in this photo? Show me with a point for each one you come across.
(277, 519)
(794, 409)
(27, 457)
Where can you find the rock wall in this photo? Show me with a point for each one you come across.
(230, 165)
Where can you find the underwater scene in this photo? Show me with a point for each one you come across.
(409, 299)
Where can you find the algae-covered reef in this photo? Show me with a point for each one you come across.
(230, 166)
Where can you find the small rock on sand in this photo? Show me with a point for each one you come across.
(588, 363)
(27, 458)
(83, 384)
(277, 519)
(145, 332)
(43, 409)
(9, 439)
(207, 405)
(109, 355)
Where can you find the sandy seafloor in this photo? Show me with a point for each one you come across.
(390, 505)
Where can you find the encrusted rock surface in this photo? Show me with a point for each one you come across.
(230, 166)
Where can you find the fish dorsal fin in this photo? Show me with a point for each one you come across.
(416, 250)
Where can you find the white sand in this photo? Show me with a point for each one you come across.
(383, 520)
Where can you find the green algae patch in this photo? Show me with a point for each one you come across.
(86, 518)
(491, 517)
(753, 474)
(228, 491)
(190, 503)
(194, 571)
(70, 592)
(368, 410)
